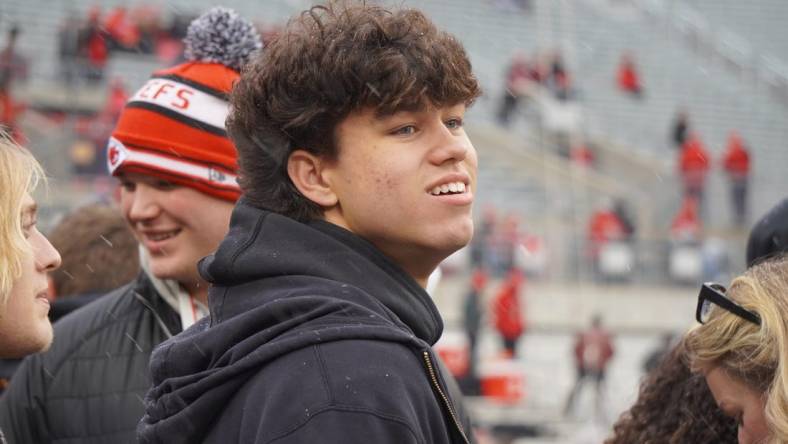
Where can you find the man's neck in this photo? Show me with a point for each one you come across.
(419, 270)
(197, 290)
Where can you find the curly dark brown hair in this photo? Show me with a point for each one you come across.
(674, 406)
(329, 61)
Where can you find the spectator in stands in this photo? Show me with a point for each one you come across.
(513, 5)
(147, 19)
(506, 243)
(628, 77)
(177, 170)
(508, 312)
(686, 225)
(482, 248)
(99, 254)
(473, 313)
(680, 129)
(693, 168)
(736, 162)
(674, 407)
(93, 47)
(13, 65)
(122, 32)
(769, 236)
(26, 257)
(10, 111)
(87, 153)
(68, 49)
(13, 68)
(517, 81)
(559, 81)
(621, 208)
(593, 351)
(740, 349)
(116, 100)
(582, 155)
(604, 226)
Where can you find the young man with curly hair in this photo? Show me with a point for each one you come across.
(358, 180)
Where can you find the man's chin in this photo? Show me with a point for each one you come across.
(458, 240)
(161, 270)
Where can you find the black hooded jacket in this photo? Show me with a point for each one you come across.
(314, 336)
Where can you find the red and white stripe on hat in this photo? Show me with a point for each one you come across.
(118, 154)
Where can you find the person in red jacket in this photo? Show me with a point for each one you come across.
(736, 162)
(604, 226)
(628, 78)
(686, 225)
(593, 351)
(693, 168)
(93, 47)
(507, 312)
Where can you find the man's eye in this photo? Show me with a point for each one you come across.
(404, 131)
(454, 123)
(128, 186)
(165, 185)
(27, 229)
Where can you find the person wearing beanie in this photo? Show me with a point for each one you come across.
(177, 171)
(769, 236)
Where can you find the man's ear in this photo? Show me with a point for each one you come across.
(306, 171)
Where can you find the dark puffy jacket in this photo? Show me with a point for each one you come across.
(88, 387)
(314, 337)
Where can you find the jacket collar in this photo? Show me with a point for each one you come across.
(262, 244)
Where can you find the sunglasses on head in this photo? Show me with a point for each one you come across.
(713, 295)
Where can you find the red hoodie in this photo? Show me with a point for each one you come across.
(737, 160)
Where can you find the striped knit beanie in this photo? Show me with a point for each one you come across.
(173, 127)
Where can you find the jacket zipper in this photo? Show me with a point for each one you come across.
(438, 388)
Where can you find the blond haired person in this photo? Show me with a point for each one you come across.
(25, 258)
(742, 350)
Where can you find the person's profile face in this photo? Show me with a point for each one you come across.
(406, 183)
(24, 322)
(741, 402)
(177, 225)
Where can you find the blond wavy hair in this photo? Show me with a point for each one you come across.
(20, 173)
(757, 355)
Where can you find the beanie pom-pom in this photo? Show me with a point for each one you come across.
(222, 36)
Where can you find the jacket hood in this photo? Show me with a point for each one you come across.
(278, 286)
(262, 245)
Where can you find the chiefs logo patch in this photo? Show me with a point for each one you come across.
(116, 154)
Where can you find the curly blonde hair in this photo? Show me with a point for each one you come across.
(20, 173)
(755, 354)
